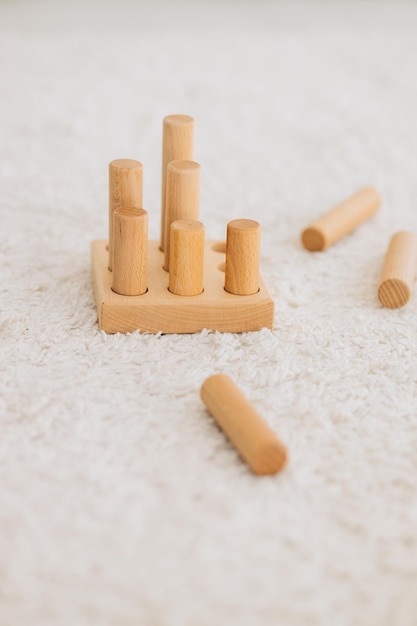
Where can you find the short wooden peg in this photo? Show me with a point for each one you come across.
(341, 220)
(242, 257)
(130, 245)
(182, 196)
(186, 262)
(249, 433)
(177, 145)
(125, 190)
(399, 271)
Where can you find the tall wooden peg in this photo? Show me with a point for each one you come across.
(186, 262)
(182, 196)
(242, 257)
(250, 434)
(130, 246)
(399, 271)
(177, 145)
(125, 190)
(341, 220)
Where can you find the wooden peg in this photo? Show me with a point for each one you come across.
(183, 196)
(177, 145)
(246, 429)
(186, 258)
(341, 220)
(125, 190)
(242, 257)
(130, 245)
(399, 271)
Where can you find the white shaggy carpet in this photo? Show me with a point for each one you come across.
(121, 503)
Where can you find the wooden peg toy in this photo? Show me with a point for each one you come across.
(249, 433)
(242, 257)
(341, 220)
(182, 197)
(134, 291)
(399, 271)
(130, 244)
(177, 145)
(186, 263)
(125, 190)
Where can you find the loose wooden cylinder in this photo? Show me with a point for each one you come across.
(177, 145)
(186, 261)
(399, 271)
(182, 196)
(341, 220)
(130, 247)
(125, 190)
(242, 257)
(246, 429)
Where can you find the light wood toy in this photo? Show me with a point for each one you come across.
(182, 283)
(399, 271)
(341, 220)
(249, 433)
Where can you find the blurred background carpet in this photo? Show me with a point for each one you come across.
(121, 503)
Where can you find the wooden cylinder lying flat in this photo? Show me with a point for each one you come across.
(130, 247)
(186, 259)
(183, 196)
(125, 190)
(246, 429)
(399, 271)
(341, 220)
(177, 145)
(242, 257)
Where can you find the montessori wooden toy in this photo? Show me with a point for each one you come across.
(249, 433)
(399, 270)
(182, 196)
(242, 257)
(130, 251)
(125, 190)
(341, 220)
(193, 283)
(177, 145)
(186, 266)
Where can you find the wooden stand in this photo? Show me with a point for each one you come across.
(182, 284)
(159, 310)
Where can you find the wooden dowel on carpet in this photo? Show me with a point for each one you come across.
(341, 220)
(399, 271)
(177, 145)
(186, 260)
(125, 190)
(242, 257)
(130, 247)
(249, 433)
(182, 196)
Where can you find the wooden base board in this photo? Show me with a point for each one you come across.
(159, 310)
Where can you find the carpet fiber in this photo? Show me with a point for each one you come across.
(121, 503)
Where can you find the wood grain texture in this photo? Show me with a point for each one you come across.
(242, 257)
(186, 261)
(177, 145)
(182, 197)
(249, 433)
(130, 245)
(158, 310)
(399, 270)
(125, 190)
(341, 220)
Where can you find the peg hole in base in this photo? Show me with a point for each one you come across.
(219, 246)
